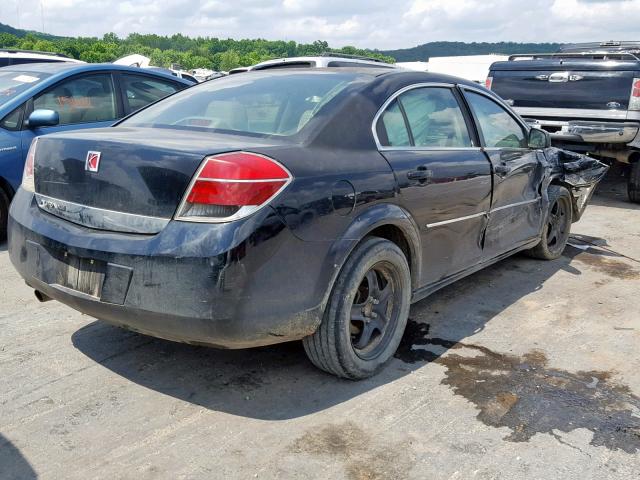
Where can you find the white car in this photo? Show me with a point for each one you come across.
(17, 57)
(326, 60)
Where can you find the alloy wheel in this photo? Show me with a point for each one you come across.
(375, 310)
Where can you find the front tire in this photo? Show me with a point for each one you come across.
(366, 314)
(556, 231)
(4, 214)
(633, 185)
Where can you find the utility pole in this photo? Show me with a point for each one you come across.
(42, 14)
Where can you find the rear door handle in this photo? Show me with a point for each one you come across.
(422, 173)
(502, 169)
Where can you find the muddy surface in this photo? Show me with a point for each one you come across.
(363, 458)
(527, 396)
(605, 262)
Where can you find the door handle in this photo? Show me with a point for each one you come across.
(502, 169)
(422, 174)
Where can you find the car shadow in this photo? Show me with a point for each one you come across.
(278, 382)
(612, 191)
(13, 465)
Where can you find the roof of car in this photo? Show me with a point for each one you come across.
(58, 67)
(373, 72)
(319, 60)
(16, 53)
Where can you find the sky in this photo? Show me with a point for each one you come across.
(382, 24)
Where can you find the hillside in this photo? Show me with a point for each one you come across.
(446, 49)
(17, 32)
(225, 54)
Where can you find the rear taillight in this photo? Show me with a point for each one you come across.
(634, 98)
(28, 179)
(231, 186)
(488, 82)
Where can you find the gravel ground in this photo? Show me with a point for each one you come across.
(527, 369)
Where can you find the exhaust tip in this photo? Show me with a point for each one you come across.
(41, 296)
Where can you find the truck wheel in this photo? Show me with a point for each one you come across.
(633, 186)
(556, 231)
(366, 314)
(4, 214)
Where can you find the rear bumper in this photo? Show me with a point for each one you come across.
(589, 131)
(233, 285)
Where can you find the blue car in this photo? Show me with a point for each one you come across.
(39, 99)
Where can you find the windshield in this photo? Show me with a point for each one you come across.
(253, 102)
(14, 82)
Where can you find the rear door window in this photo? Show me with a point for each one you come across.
(140, 90)
(85, 99)
(433, 116)
(394, 126)
(498, 127)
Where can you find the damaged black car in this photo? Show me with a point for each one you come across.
(311, 205)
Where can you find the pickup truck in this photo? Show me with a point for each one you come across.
(587, 96)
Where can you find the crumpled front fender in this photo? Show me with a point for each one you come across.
(579, 173)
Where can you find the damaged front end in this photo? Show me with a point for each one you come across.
(579, 173)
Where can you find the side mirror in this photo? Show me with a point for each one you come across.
(43, 118)
(538, 139)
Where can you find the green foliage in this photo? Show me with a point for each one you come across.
(225, 54)
(199, 52)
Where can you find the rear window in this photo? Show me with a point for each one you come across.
(256, 103)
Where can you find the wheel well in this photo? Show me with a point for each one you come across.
(6, 187)
(634, 157)
(396, 235)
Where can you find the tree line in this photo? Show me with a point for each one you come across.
(448, 49)
(164, 51)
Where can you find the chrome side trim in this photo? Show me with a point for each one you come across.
(570, 113)
(100, 218)
(480, 214)
(428, 149)
(517, 204)
(458, 219)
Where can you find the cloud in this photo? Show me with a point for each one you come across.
(382, 24)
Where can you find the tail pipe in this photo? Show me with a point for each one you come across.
(41, 296)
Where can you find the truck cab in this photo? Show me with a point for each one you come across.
(587, 96)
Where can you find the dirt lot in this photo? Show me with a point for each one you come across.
(525, 370)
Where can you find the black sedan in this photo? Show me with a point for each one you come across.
(286, 205)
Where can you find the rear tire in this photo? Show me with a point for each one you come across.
(366, 314)
(4, 214)
(633, 185)
(557, 227)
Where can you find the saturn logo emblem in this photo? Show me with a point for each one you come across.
(92, 162)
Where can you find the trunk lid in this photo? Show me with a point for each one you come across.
(558, 83)
(141, 171)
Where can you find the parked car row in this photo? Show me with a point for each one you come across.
(311, 204)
